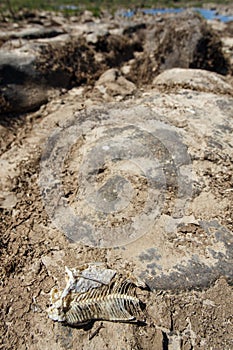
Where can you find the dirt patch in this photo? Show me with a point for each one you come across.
(69, 65)
(34, 252)
(153, 171)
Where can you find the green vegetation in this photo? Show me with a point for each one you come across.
(12, 7)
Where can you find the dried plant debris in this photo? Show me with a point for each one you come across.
(95, 292)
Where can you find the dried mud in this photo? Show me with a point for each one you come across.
(34, 251)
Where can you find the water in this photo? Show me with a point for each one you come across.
(207, 14)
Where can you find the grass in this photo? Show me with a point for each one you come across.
(13, 6)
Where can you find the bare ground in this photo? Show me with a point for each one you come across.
(33, 251)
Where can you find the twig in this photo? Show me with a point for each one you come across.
(96, 332)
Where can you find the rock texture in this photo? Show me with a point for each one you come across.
(193, 79)
(112, 83)
(127, 163)
(57, 53)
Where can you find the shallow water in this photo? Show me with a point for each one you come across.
(207, 14)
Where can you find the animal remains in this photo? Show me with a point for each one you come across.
(95, 292)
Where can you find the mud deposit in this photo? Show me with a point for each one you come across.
(116, 147)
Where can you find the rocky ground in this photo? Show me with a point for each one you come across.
(116, 147)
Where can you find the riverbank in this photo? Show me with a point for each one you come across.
(116, 147)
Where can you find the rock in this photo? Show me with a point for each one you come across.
(112, 83)
(142, 50)
(27, 73)
(97, 32)
(194, 79)
(36, 33)
(17, 98)
(217, 25)
(228, 49)
(151, 168)
(16, 67)
(53, 261)
(108, 76)
(134, 28)
(21, 85)
(87, 16)
(184, 40)
(8, 200)
(143, 184)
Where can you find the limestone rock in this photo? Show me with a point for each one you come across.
(112, 83)
(16, 67)
(17, 98)
(194, 79)
(184, 40)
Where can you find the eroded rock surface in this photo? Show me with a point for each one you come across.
(63, 54)
(105, 171)
(193, 79)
